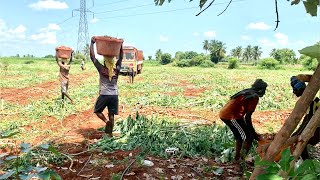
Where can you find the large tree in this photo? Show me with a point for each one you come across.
(284, 56)
(190, 54)
(179, 55)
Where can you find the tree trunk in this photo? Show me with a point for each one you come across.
(307, 133)
(293, 120)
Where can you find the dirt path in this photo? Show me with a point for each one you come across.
(24, 95)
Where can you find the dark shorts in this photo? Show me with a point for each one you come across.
(110, 101)
(239, 129)
(64, 86)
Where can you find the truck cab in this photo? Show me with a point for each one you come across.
(132, 57)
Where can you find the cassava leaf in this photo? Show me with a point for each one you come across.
(312, 51)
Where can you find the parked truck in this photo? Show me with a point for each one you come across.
(132, 58)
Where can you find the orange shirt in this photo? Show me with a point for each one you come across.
(238, 107)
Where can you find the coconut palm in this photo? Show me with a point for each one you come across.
(206, 45)
(256, 53)
(217, 50)
(247, 53)
(237, 52)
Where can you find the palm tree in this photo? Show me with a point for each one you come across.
(217, 50)
(247, 54)
(237, 52)
(256, 53)
(206, 45)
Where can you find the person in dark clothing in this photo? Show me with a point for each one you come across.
(64, 76)
(131, 75)
(108, 91)
(298, 88)
(236, 114)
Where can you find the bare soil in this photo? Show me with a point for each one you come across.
(75, 133)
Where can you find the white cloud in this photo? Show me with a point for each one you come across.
(266, 42)
(94, 20)
(163, 38)
(259, 26)
(195, 34)
(20, 29)
(45, 37)
(282, 39)
(245, 37)
(48, 4)
(54, 27)
(9, 34)
(51, 27)
(210, 34)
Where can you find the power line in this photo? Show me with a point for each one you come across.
(103, 4)
(65, 20)
(132, 7)
(159, 12)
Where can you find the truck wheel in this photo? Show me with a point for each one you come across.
(140, 70)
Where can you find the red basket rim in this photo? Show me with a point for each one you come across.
(63, 48)
(104, 38)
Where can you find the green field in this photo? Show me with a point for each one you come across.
(195, 89)
(179, 108)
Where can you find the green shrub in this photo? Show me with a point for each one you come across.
(233, 63)
(207, 63)
(268, 63)
(198, 60)
(183, 63)
(309, 63)
(166, 58)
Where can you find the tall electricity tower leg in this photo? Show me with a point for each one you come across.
(83, 34)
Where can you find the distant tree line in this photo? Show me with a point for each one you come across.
(215, 52)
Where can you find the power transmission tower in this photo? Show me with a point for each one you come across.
(83, 34)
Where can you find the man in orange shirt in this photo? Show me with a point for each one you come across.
(236, 114)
